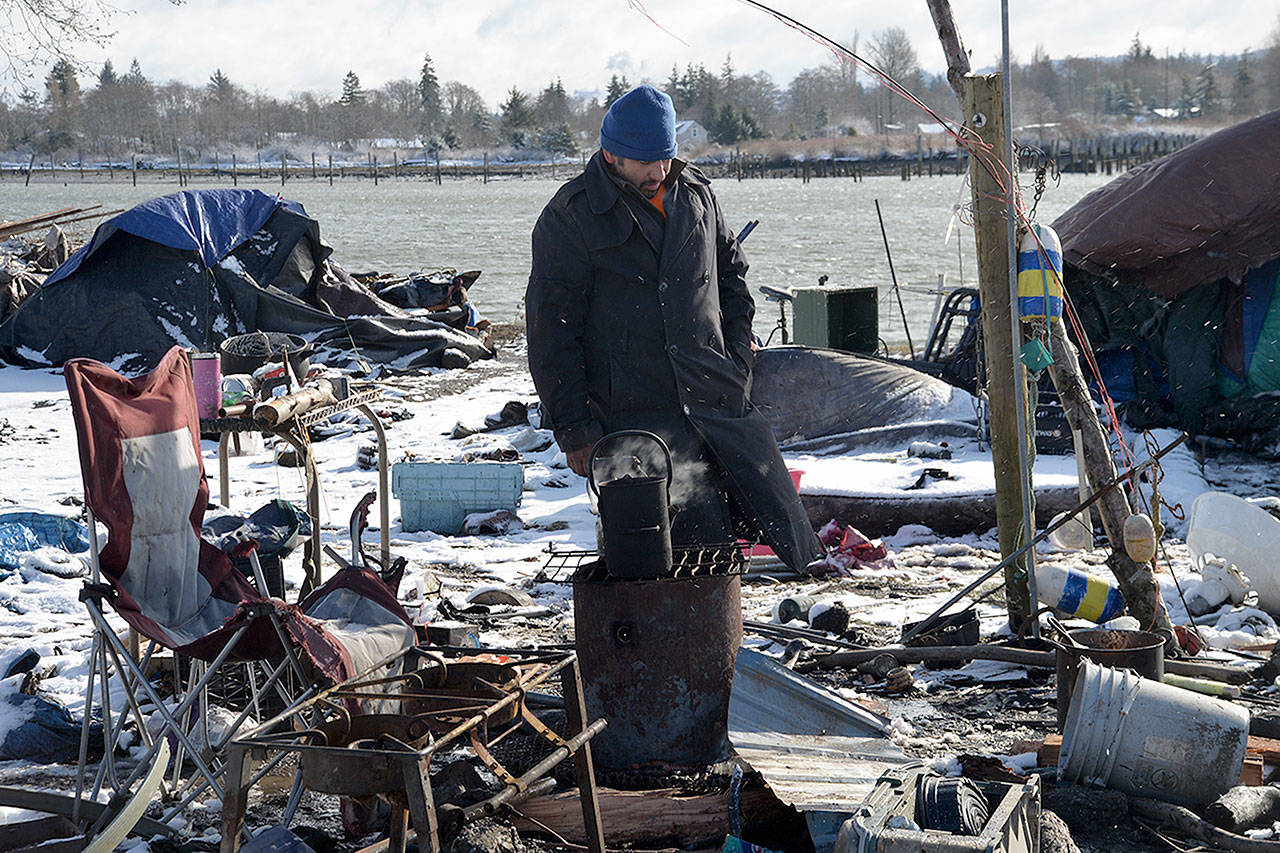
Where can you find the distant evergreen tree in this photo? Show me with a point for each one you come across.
(135, 73)
(727, 127)
(821, 121)
(1208, 97)
(1186, 103)
(559, 140)
(517, 117)
(1127, 100)
(673, 89)
(618, 86)
(553, 105)
(1138, 52)
(107, 77)
(62, 98)
(352, 94)
(1244, 95)
(727, 79)
(220, 86)
(429, 95)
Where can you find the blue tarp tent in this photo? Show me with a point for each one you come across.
(198, 266)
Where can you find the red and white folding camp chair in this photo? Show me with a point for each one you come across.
(139, 443)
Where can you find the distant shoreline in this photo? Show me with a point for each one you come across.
(1098, 154)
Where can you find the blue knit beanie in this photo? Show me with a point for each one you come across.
(641, 125)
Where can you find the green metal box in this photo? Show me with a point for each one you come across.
(843, 318)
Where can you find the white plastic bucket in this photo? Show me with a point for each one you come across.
(1241, 533)
(1151, 739)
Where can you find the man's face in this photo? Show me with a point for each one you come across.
(645, 176)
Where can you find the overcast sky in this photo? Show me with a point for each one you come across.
(285, 46)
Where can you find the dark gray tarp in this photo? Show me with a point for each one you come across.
(1210, 211)
(131, 299)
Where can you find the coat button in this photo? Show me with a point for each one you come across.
(662, 288)
(672, 349)
(706, 277)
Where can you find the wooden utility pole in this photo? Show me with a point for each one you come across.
(984, 115)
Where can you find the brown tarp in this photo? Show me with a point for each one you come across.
(1207, 212)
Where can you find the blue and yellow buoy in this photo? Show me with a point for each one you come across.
(1040, 274)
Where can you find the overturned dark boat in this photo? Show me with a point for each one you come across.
(880, 445)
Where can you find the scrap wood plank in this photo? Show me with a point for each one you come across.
(1266, 747)
(644, 816)
(12, 229)
(40, 217)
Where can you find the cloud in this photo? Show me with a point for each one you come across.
(290, 45)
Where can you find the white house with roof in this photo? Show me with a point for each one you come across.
(690, 134)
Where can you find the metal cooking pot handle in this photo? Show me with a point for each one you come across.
(441, 669)
(623, 433)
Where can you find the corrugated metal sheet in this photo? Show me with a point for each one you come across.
(819, 752)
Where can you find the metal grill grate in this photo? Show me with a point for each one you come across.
(686, 562)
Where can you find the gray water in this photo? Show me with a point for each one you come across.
(825, 227)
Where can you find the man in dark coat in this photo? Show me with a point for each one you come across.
(639, 317)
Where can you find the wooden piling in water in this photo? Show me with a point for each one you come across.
(235, 170)
(330, 170)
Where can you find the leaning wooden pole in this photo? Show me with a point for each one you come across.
(952, 46)
(984, 115)
(1137, 580)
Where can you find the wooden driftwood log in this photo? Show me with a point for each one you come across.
(1244, 807)
(652, 817)
(1184, 820)
(277, 410)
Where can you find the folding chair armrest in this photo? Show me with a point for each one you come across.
(97, 592)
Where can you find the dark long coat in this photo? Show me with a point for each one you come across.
(636, 322)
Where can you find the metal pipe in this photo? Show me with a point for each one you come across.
(521, 786)
(893, 275)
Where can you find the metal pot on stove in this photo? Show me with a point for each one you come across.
(635, 523)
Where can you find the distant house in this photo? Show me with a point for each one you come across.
(690, 133)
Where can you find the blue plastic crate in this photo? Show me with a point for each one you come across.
(439, 496)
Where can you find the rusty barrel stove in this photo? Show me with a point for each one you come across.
(656, 650)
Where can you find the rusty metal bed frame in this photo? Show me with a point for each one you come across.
(388, 755)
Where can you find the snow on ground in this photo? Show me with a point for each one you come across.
(39, 470)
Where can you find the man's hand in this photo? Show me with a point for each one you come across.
(579, 460)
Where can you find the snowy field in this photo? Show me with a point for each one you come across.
(40, 610)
